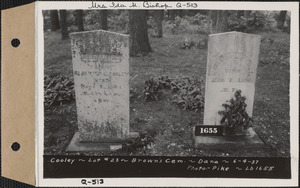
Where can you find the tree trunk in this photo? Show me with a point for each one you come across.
(172, 14)
(54, 20)
(219, 21)
(138, 29)
(180, 13)
(63, 24)
(212, 20)
(222, 21)
(79, 19)
(103, 19)
(158, 19)
(281, 19)
(44, 21)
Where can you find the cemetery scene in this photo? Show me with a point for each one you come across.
(167, 83)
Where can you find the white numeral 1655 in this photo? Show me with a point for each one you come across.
(208, 130)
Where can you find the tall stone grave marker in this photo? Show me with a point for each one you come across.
(101, 78)
(231, 65)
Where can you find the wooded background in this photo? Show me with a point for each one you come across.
(137, 23)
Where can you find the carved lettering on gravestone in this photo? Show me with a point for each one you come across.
(231, 65)
(101, 77)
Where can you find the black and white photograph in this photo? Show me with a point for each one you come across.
(166, 92)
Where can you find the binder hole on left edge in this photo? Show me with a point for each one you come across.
(15, 42)
(15, 146)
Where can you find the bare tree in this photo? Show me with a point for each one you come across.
(158, 19)
(222, 21)
(281, 19)
(63, 24)
(171, 14)
(79, 19)
(103, 19)
(54, 20)
(212, 20)
(138, 30)
(219, 21)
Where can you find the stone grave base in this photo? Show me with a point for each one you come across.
(251, 139)
(76, 146)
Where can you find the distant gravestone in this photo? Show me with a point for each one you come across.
(231, 65)
(101, 79)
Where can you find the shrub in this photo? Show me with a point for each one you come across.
(235, 118)
(118, 21)
(198, 19)
(153, 87)
(179, 24)
(188, 92)
(275, 57)
(58, 90)
(235, 24)
(191, 43)
(144, 141)
(202, 21)
(258, 20)
(197, 24)
(274, 52)
(133, 93)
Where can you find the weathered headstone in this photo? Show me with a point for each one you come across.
(101, 78)
(231, 65)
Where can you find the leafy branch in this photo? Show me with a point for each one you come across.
(58, 89)
(188, 92)
(235, 116)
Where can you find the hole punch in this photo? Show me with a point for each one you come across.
(15, 42)
(15, 146)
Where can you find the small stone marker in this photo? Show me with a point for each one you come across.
(101, 78)
(231, 65)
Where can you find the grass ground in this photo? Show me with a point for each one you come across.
(169, 126)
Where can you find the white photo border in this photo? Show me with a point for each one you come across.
(293, 7)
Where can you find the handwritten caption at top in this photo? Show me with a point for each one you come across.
(145, 4)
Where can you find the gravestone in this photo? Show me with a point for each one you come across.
(101, 80)
(231, 65)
